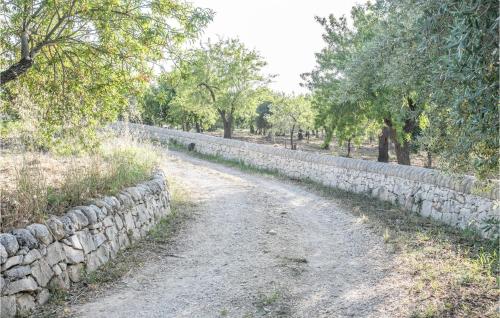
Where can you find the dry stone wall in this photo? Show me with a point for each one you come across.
(45, 257)
(453, 200)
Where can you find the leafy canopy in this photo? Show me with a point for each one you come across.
(429, 69)
(79, 62)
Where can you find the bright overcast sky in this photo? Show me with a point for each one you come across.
(283, 31)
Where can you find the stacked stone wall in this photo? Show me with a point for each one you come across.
(455, 200)
(41, 258)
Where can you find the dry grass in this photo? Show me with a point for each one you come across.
(36, 184)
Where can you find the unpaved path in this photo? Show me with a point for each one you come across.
(258, 246)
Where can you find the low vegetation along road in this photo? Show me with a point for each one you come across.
(258, 246)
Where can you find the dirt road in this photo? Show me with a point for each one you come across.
(258, 246)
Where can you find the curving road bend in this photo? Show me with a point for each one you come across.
(259, 247)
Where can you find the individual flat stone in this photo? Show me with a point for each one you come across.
(119, 222)
(86, 241)
(90, 213)
(73, 256)
(8, 307)
(75, 242)
(129, 221)
(43, 296)
(57, 270)
(75, 272)
(3, 254)
(42, 272)
(17, 272)
(98, 258)
(78, 218)
(12, 261)
(41, 233)
(100, 212)
(21, 285)
(56, 227)
(31, 256)
(55, 253)
(108, 221)
(25, 305)
(60, 281)
(69, 227)
(10, 243)
(99, 239)
(25, 238)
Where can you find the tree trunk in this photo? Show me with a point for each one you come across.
(198, 127)
(228, 132)
(327, 140)
(291, 138)
(402, 149)
(349, 148)
(402, 152)
(227, 121)
(429, 159)
(383, 145)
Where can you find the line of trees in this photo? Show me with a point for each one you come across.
(223, 82)
(422, 73)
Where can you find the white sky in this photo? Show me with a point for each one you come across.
(284, 32)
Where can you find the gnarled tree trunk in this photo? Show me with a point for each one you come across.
(383, 145)
(402, 149)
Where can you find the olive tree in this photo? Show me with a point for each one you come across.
(291, 113)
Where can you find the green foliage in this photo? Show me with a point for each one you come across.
(156, 103)
(344, 99)
(219, 79)
(427, 69)
(263, 112)
(291, 113)
(77, 63)
(460, 38)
